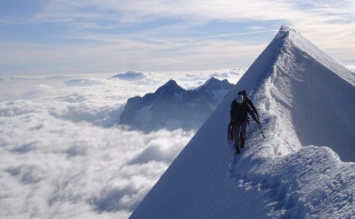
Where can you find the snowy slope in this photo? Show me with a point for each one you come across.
(306, 103)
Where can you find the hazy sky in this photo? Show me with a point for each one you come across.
(104, 36)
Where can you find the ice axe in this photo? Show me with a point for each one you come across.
(261, 129)
(230, 133)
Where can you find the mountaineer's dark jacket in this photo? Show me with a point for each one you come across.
(239, 112)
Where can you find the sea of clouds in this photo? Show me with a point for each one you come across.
(63, 154)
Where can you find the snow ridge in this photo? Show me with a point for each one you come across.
(300, 181)
(306, 102)
(291, 180)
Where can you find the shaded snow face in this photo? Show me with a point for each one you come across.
(63, 154)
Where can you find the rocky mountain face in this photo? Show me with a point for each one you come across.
(173, 107)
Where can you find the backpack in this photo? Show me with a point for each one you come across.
(239, 111)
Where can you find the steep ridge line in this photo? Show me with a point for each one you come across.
(282, 201)
(287, 199)
(284, 175)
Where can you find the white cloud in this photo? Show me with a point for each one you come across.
(56, 166)
(130, 54)
(169, 47)
(61, 156)
(138, 11)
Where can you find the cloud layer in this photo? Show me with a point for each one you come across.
(63, 156)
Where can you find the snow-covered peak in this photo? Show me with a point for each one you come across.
(286, 29)
(212, 80)
(214, 84)
(216, 88)
(306, 105)
(288, 40)
(171, 83)
(170, 87)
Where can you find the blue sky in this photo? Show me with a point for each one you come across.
(104, 36)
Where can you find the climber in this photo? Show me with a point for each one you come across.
(240, 120)
(249, 102)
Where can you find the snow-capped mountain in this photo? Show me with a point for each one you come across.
(215, 90)
(173, 107)
(306, 105)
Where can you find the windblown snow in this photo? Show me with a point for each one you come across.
(304, 168)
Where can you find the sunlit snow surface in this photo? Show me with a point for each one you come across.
(306, 105)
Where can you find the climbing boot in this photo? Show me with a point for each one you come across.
(242, 143)
(237, 150)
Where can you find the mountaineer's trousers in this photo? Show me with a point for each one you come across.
(240, 132)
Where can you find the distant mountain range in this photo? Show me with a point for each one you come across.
(172, 107)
